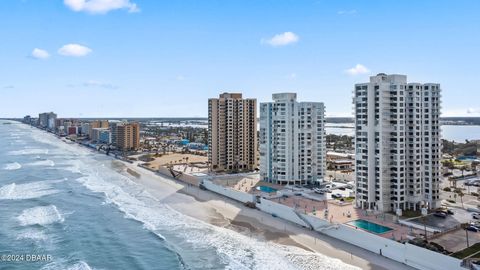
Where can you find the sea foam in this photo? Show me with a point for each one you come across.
(12, 166)
(29, 151)
(62, 265)
(40, 215)
(47, 163)
(28, 190)
(31, 234)
(235, 250)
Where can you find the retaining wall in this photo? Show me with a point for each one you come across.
(228, 192)
(408, 254)
(281, 211)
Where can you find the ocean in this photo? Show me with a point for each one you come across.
(84, 211)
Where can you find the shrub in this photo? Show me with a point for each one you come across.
(447, 189)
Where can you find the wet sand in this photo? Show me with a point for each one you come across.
(220, 211)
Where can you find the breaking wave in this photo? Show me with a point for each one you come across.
(62, 265)
(27, 191)
(12, 166)
(235, 250)
(40, 215)
(48, 163)
(32, 151)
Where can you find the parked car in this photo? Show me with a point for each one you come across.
(476, 216)
(450, 212)
(440, 214)
(341, 188)
(443, 211)
(319, 191)
(337, 196)
(472, 228)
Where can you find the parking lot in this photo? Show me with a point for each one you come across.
(457, 240)
(460, 216)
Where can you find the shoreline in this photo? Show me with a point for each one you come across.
(224, 212)
(220, 211)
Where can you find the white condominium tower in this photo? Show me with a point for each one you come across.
(232, 133)
(292, 140)
(397, 143)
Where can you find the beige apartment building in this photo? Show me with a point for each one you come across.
(232, 133)
(128, 136)
(97, 124)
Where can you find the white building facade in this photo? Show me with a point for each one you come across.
(397, 144)
(292, 140)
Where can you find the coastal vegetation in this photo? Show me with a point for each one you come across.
(468, 148)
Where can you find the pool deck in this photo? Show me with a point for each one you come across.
(338, 213)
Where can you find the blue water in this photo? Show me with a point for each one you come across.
(83, 209)
(455, 133)
(266, 189)
(369, 226)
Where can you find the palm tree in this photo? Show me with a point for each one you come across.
(461, 194)
(474, 165)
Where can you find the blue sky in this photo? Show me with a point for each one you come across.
(139, 58)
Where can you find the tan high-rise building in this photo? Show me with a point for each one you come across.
(232, 133)
(97, 124)
(128, 136)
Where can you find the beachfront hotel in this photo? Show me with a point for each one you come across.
(292, 140)
(397, 143)
(232, 133)
(97, 124)
(128, 136)
(47, 120)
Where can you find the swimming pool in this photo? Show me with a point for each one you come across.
(369, 226)
(266, 189)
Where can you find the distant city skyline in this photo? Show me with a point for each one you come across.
(138, 58)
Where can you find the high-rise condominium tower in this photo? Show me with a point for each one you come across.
(292, 140)
(47, 120)
(232, 133)
(397, 143)
(128, 136)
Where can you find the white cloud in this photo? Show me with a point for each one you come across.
(75, 50)
(93, 83)
(39, 54)
(100, 6)
(358, 70)
(8, 87)
(347, 12)
(281, 39)
(473, 111)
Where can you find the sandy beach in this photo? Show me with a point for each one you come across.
(220, 211)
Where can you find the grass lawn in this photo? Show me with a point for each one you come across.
(467, 252)
(411, 213)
